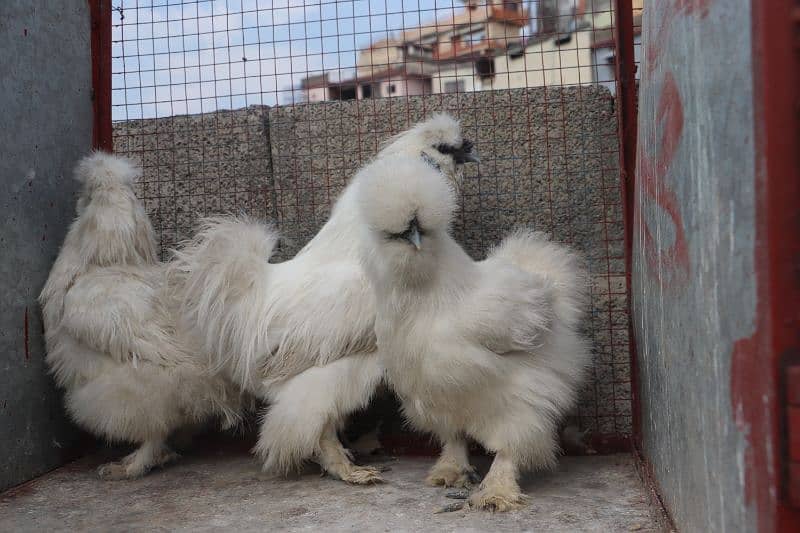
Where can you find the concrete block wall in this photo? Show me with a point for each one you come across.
(548, 159)
(200, 164)
(45, 95)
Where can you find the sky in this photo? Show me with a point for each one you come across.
(172, 57)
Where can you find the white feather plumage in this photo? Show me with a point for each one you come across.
(299, 334)
(112, 341)
(487, 350)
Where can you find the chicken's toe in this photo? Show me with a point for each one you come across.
(497, 498)
(363, 475)
(450, 507)
(447, 476)
(114, 471)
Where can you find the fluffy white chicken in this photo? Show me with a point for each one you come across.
(111, 337)
(486, 350)
(299, 334)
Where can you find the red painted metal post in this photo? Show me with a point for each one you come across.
(626, 123)
(100, 12)
(776, 74)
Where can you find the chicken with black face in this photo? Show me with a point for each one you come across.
(300, 334)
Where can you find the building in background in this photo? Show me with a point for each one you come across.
(546, 60)
(483, 47)
(603, 47)
(443, 56)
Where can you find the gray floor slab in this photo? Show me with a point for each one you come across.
(227, 492)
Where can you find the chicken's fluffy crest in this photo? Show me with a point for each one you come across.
(101, 169)
(438, 129)
(397, 189)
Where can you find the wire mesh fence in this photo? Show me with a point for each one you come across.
(268, 107)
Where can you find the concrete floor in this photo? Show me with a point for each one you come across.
(228, 492)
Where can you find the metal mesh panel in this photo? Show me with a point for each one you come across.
(269, 108)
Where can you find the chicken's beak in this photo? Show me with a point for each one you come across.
(472, 157)
(414, 237)
(466, 153)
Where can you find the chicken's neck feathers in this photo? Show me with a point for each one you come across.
(455, 276)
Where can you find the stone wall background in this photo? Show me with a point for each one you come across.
(549, 159)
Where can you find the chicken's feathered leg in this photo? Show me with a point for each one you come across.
(336, 461)
(150, 454)
(306, 411)
(500, 490)
(453, 468)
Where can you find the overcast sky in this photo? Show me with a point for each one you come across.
(172, 57)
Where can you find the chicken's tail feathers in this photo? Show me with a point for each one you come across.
(534, 252)
(219, 280)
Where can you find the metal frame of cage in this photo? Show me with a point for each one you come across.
(624, 73)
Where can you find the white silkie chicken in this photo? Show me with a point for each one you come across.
(486, 350)
(299, 334)
(110, 329)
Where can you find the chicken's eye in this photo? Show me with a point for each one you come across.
(404, 234)
(445, 149)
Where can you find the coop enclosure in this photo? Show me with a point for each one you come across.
(268, 108)
(686, 217)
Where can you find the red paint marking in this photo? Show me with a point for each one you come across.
(694, 7)
(26, 338)
(669, 120)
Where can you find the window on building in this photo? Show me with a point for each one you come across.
(485, 67)
(392, 88)
(477, 36)
(348, 93)
(454, 86)
(418, 50)
(366, 91)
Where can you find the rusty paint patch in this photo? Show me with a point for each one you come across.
(751, 397)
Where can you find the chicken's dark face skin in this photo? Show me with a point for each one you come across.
(412, 234)
(461, 154)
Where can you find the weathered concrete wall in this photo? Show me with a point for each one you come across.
(694, 283)
(549, 159)
(45, 95)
